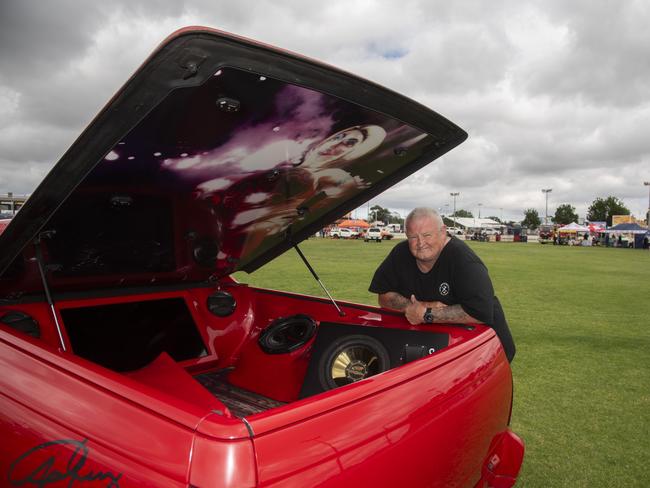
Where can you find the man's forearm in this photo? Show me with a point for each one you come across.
(411, 307)
(393, 300)
(453, 314)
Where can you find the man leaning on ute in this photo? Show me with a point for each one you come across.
(436, 278)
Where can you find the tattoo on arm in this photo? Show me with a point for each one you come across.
(453, 314)
(393, 300)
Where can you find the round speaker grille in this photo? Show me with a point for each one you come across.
(287, 334)
(351, 359)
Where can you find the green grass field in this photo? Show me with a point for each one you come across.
(580, 319)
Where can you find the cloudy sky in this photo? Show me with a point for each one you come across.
(553, 94)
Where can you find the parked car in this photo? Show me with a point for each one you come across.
(373, 234)
(131, 356)
(386, 234)
(454, 231)
(344, 233)
(334, 233)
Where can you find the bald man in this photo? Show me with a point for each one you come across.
(434, 278)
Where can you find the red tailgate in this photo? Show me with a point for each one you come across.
(432, 429)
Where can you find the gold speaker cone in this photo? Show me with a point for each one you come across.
(353, 364)
(350, 359)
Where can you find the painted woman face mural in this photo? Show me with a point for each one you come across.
(344, 146)
(290, 155)
(287, 156)
(318, 176)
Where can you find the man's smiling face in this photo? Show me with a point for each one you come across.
(426, 238)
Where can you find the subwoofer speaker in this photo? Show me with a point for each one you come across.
(287, 334)
(350, 359)
(344, 354)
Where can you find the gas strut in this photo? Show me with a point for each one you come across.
(304, 259)
(41, 269)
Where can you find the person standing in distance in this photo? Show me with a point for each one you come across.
(436, 278)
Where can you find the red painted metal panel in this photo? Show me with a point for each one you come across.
(42, 314)
(223, 464)
(36, 448)
(436, 428)
(52, 404)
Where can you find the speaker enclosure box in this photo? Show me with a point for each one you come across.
(393, 340)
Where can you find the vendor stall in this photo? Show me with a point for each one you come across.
(572, 233)
(633, 232)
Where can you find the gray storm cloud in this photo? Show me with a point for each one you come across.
(553, 94)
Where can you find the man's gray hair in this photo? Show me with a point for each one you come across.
(420, 212)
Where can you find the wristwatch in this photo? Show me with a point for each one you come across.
(428, 316)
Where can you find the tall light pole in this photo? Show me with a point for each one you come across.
(454, 195)
(479, 210)
(647, 217)
(546, 191)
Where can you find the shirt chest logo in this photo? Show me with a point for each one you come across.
(444, 289)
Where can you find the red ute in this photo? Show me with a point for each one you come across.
(3, 224)
(131, 358)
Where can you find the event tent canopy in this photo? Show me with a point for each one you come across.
(472, 223)
(573, 227)
(628, 228)
(354, 223)
(596, 226)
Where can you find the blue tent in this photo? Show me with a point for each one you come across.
(628, 228)
(631, 228)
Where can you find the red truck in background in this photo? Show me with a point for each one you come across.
(546, 233)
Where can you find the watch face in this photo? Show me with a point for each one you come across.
(428, 316)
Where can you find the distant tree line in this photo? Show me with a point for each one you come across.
(600, 210)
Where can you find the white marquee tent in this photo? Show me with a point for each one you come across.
(573, 227)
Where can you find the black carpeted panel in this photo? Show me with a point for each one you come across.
(393, 340)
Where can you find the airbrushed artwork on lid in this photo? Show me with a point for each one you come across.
(266, 155)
